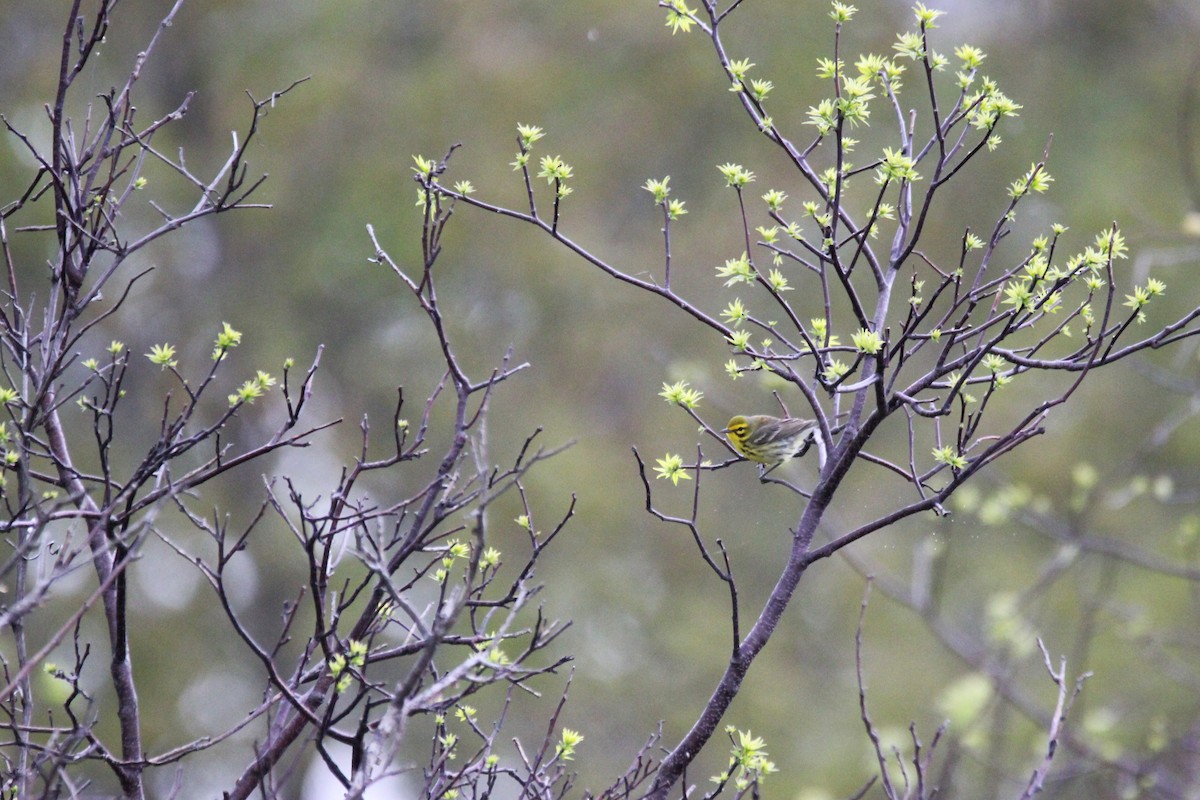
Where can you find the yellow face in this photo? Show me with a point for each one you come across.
(738, 430)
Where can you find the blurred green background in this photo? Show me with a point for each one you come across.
(623, 100)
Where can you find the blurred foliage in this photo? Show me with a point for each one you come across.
(623, 100)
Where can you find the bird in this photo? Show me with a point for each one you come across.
(772, 440)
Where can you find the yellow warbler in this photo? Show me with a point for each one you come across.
(772, 440)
